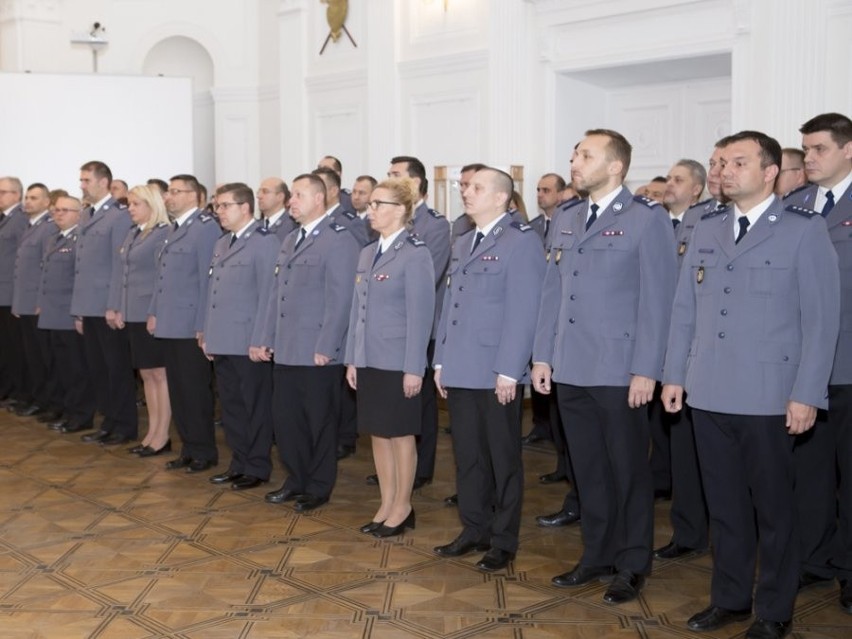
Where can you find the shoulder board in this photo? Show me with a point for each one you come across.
(714, 213)
(204, 218)
(347, 191)
(567, 204)
(702, 202)
(435, 213)
(162, 224)
(796, 190)
(521, 226)
(120, 206)
(261, 231)
(349, 215)
(337, 227)
(415, 241)
(803, 211)
(646, 201)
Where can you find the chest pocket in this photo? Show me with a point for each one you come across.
(703, 267)
(765, 276)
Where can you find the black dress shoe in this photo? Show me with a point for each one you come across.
(29, 410)
(93, 437)
(808, 579)
(393, 531)
(625, 587)
(714, 617)
(344, 451)
(672, 551)
(419, 482)
(147, 451)
(460, 547)
(178, 462)
(58, 425)
(138, 448)
(114, 439)
(306, 503)
(281, 495)
(200, 465)
(765, 629)
(532, 438)
(452, 500)
(562, 518)
(551, 478)
(224, 478)
(49, 416)
(581, 575)
(495, 559)
(372, 480)
(68, 427)
(846, 595)
(246, 482)
(368, 528)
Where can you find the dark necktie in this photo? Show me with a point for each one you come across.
(302, 235)
(176, 225)
(546, 226)
(829, 204)
(743, 221)
(675, 223)
(593, 216)
(479, 237)
(136, 232)
(233, 239)
(266, 223)
(378, 255)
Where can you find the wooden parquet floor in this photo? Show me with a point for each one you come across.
(96, 543)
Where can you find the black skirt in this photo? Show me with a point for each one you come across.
(146, 351)
(383, 409)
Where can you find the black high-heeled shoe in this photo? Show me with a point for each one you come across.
(392, 531)
(147, 451)
(135, 450)
(368, 528)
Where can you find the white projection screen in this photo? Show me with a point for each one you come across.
(51, 124)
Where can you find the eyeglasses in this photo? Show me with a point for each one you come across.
(176, 191)
(374, 204)
(224, 205)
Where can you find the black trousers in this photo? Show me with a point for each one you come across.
(306, 409)
(541, 416)
(108, 357)
(347, 429)
(189, 375)
(747, 467)
(72, 376)
(245, 395)
(571, 503)
(689, 507)
(661, 443)
(12, 361)
(823, 461)
(40, 365)
(427, 441)
(609, 442)
(489, 465)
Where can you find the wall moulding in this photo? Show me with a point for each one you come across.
(31, 11)
(455, 63)
(335, 81)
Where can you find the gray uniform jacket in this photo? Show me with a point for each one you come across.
(537, 223)
(28, 265)
(312, 295)
(434, 229)
(607, 293)
(488, 322)
(392, 308)
(349, 219)
(839, 222)
(239, 288)
(12, 228)
(57, 283)
(99, 237)
(283, 226)
(683, 232)
(135, 272)
(180, 291)
(755, 324)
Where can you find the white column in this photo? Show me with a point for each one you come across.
(383, 102)
(292, 26)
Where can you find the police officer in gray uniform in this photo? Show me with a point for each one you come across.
(827, 448)
(305, 327)
(54, 316)
(601, 336)
(177, 316)
(239, 286)
(40, 377)
(482, 354)
(13, 223)
(753, 330)
(272, 199)
(102, 230)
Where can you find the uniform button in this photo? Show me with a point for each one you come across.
(285, 282)
(727, 289)
(730, 267)
(77, 272)
(572, 297)
(461, 288)
(456, 305)
(454, 322)
(576, 273)
(786, 359)
(362, 320)
(464, 271)
(580, 251)
(571, 320)
(289, 266)
(363, 308)
(724, 311)
(214, 306)
(282, 314)
(722, 335)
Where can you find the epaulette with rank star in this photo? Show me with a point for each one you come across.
(349, 215)
(521, 226)
(803, 211)
(204, 218)
(337, 227)
(796, 190)
(261, 230)
(715, 212)
(646, 201)
(162, 224)
(435, 213)
(702, 203)
(567, 204)
(416, 241)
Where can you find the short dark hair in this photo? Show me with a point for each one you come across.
(367, 178)
(40, 186)
(618, 147)
(121, 182)
(838, 125)
(770, 150)
(242, 193)
(190, 180)
(98, 169)
(160, 184)
(316, 182)
(560, 181)
(415, 169)
(338, 166)
(325, 172)
(793, 151)
(660, 178)
(503, 182)
(476, 166)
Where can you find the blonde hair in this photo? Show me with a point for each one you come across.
(405, 192)
(150, 195)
